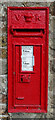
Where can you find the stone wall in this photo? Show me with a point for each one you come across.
(4, 115)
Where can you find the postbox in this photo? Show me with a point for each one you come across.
(28, 59)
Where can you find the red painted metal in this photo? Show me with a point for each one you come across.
(28, 90)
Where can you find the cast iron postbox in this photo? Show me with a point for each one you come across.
(28, 59)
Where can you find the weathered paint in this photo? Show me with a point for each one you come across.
(28, 26)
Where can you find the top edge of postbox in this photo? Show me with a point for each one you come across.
(27, 8)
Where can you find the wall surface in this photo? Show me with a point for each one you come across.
(4, 115)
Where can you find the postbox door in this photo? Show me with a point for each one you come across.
(28, 75)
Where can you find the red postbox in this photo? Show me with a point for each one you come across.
(28, 59)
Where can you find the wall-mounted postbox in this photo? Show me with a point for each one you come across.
(27, 59)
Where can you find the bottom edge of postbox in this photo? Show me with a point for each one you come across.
(26, 111)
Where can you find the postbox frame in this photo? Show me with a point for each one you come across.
(12, 45)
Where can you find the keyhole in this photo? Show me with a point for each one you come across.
(21, 79)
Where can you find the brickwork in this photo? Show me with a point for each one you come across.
(3, 61)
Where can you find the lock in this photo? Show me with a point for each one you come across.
(25, 78)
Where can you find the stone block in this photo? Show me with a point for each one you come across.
(54, 101)
(0, 97)
(52, 66)
(3, 41)
(51, 19)
(6, 118)
(52, 37)
(51, 85)
(52, 8)
(44, 4)
(10, 3)
(3, 52)
(2, 30)
(3, 86)
(2, 11)
(2, 108)
(3, 66)
(4, 98)
(52, 52)
(27, 115)
(0, 66)
(30, 4)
